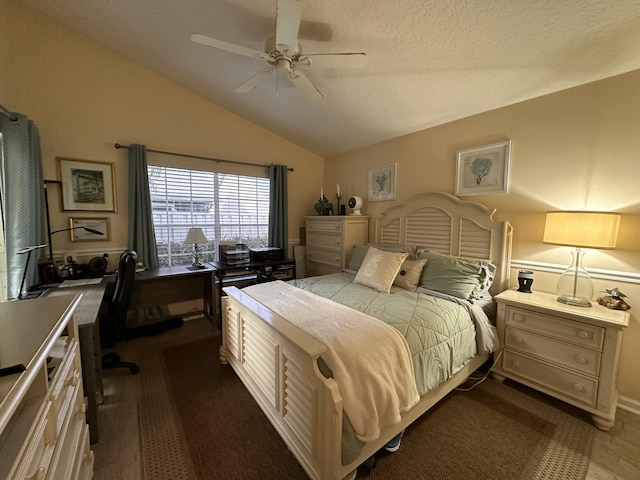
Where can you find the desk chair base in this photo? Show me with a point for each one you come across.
(112, 360)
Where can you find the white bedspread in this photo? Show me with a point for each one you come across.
(370, 360)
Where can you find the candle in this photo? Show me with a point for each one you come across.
(338, 188)
(321, 194)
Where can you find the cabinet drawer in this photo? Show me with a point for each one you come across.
(568, 384)
(333, 259)
(567, 330)
(324, 240)
(64, 385)
(37, 451)
(315, 269)
(572, 356)
(334, 226)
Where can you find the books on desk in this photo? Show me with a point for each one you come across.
(79, 282)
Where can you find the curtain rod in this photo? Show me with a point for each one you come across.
(11, 116)
(117, 145)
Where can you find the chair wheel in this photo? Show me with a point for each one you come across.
(135, 369)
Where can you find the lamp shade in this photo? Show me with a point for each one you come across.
(582, 229)
(195, 235)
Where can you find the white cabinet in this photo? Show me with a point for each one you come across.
(568, 352)
(330, 240)
(43, 429)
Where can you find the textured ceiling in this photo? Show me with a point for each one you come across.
(429, 62)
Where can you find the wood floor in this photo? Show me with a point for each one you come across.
(616, 454)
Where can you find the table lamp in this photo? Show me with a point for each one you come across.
(579, 229)
(196, 236)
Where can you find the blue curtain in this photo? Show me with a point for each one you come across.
(278, 207)
(142, 237)
(22, 199)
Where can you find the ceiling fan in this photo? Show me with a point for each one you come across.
(283, 52)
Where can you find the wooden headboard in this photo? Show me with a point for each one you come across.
(443, 223)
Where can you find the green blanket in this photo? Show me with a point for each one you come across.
(440, 333)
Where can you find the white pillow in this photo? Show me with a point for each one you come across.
(379, 269)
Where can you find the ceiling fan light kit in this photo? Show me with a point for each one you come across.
(283, 52)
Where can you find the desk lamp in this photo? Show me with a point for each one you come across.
(196, 236)
(28, 251)
(579, 230)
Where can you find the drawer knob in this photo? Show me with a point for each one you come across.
(519, 340)
(578, 388)
(583, 334)
(518, 318)
(581, 360)
(516, 364)
(38, 474)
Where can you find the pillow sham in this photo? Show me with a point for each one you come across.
(379, 269)
(451, 275)
(409, 275)
(359, 251)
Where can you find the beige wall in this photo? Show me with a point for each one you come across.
(84, 98)
(576, 149)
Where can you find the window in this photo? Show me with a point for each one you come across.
(228, 208)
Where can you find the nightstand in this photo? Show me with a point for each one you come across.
(568, 352)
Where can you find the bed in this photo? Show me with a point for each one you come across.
(282, 364)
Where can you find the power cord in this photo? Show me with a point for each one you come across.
(478, 379)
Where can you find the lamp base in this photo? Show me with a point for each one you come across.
(575, 301)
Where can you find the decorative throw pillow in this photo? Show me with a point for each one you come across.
(359, 251)
(451, 275)
(409, 274)
(379, 269)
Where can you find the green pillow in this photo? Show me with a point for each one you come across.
(450, 275)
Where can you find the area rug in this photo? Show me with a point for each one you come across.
(198, 422)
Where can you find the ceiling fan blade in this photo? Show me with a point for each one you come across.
(333, 60)
(256, 80)
(301, 81)
(227, 47)
(287, 25)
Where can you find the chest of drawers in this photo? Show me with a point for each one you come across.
(43, 430)
(330, 240)
(568, 352)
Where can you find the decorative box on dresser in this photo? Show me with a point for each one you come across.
(568, 352)
(43, 429)
(330, 240)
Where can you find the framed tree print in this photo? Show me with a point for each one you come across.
(382, 183)
(483, 170)
(87, 185)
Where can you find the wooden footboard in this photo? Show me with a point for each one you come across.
(278, 364)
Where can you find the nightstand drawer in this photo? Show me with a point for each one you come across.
(324, 240)
(565, 330)
(568, 384)
(571, 356)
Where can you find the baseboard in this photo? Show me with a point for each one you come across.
(629, 404)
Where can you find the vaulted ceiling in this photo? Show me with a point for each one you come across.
(428, 61)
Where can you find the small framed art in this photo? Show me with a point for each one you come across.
(89, 229)
(483, 170)
(87, 185)
(382, 182)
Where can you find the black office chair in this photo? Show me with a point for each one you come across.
(113, 323)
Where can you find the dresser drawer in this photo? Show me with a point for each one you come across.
(316, 269)
(324, 240)
(332, 259)
(571, 356)
(568, 384)
(334, 226)
(38, 450)
(565, 330)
